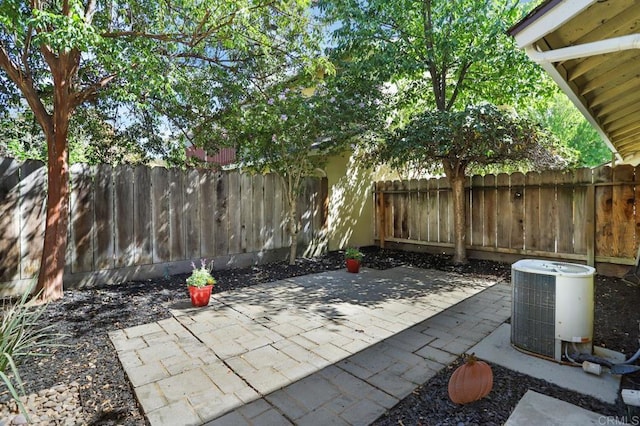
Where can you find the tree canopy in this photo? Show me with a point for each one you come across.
(442, 54)
(586, 148)
(445, 60)
(292, 126)
(150, 66)
(457, 140)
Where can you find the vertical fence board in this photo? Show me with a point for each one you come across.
(580, 210)
(269, 207)
(413, 213)
(397, 209)
(423, 206)
(301, 212)
(176, 216)
(503, 211)
(444, 216)
(104, 229)
(142, 216)
(489, 210)
(246, 190)
(234, 208)
(322, 231)
(191, 211)
(208, 204)
(564, 206)
(305, 212)
(623, 230)
(516, 194)
(257, 205)
(532, 211)
(161, 214)
(33, 184)
(477, 209)
(81, 218)
(432, 205)
(603, 210)
(123, 203)
(279, 216)
(548, 212)
(404, 213)
(9, 220)
(222, 214)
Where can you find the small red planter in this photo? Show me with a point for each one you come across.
(200, 295)
(353, 265)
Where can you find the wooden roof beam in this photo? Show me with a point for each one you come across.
(585, 66)
(616, 76)
(627, 18)
(631, 108)
(628, 141)
(622, 122)
(614, 92)
(623, 131)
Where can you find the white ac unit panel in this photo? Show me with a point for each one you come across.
(552, 303)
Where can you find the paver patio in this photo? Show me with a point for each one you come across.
(328, 348)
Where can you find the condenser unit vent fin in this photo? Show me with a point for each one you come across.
(533, 319)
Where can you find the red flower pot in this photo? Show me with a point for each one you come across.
(200, 295)
(353, 265)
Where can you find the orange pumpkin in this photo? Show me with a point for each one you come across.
(471, 381)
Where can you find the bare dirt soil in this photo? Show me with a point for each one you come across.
(89, 359)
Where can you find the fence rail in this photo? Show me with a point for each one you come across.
(588, 215)
(124, 218)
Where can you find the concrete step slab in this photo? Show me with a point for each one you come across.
(538, 409)
(496, 348)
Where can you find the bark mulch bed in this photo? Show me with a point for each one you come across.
(106, 398)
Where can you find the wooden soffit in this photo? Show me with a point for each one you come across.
(591, 48)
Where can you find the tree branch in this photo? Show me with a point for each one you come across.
(458, 84)
(25, 51)
(24, 82)
(91, 92)
(427, 25)
(89, 11)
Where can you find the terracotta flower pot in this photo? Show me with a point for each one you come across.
(353, 265)
(200, 295)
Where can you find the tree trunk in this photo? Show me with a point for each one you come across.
(456, 177)
(289, 184)
(55, 235)
(50, 283)
(293, 231)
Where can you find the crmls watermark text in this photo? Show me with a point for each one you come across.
(616, 420)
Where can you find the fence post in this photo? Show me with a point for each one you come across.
(589, 224)
(381, 216)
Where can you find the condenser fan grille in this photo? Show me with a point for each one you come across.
(533, 319)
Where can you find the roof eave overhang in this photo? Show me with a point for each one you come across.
(545, 19)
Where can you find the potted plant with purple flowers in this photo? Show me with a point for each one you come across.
(200, 283)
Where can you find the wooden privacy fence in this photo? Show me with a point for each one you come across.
(124, 218)
(588, 215)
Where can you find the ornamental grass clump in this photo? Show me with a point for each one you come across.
(201, 276)
(22, 336)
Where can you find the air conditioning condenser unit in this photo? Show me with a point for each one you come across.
(552, 308)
